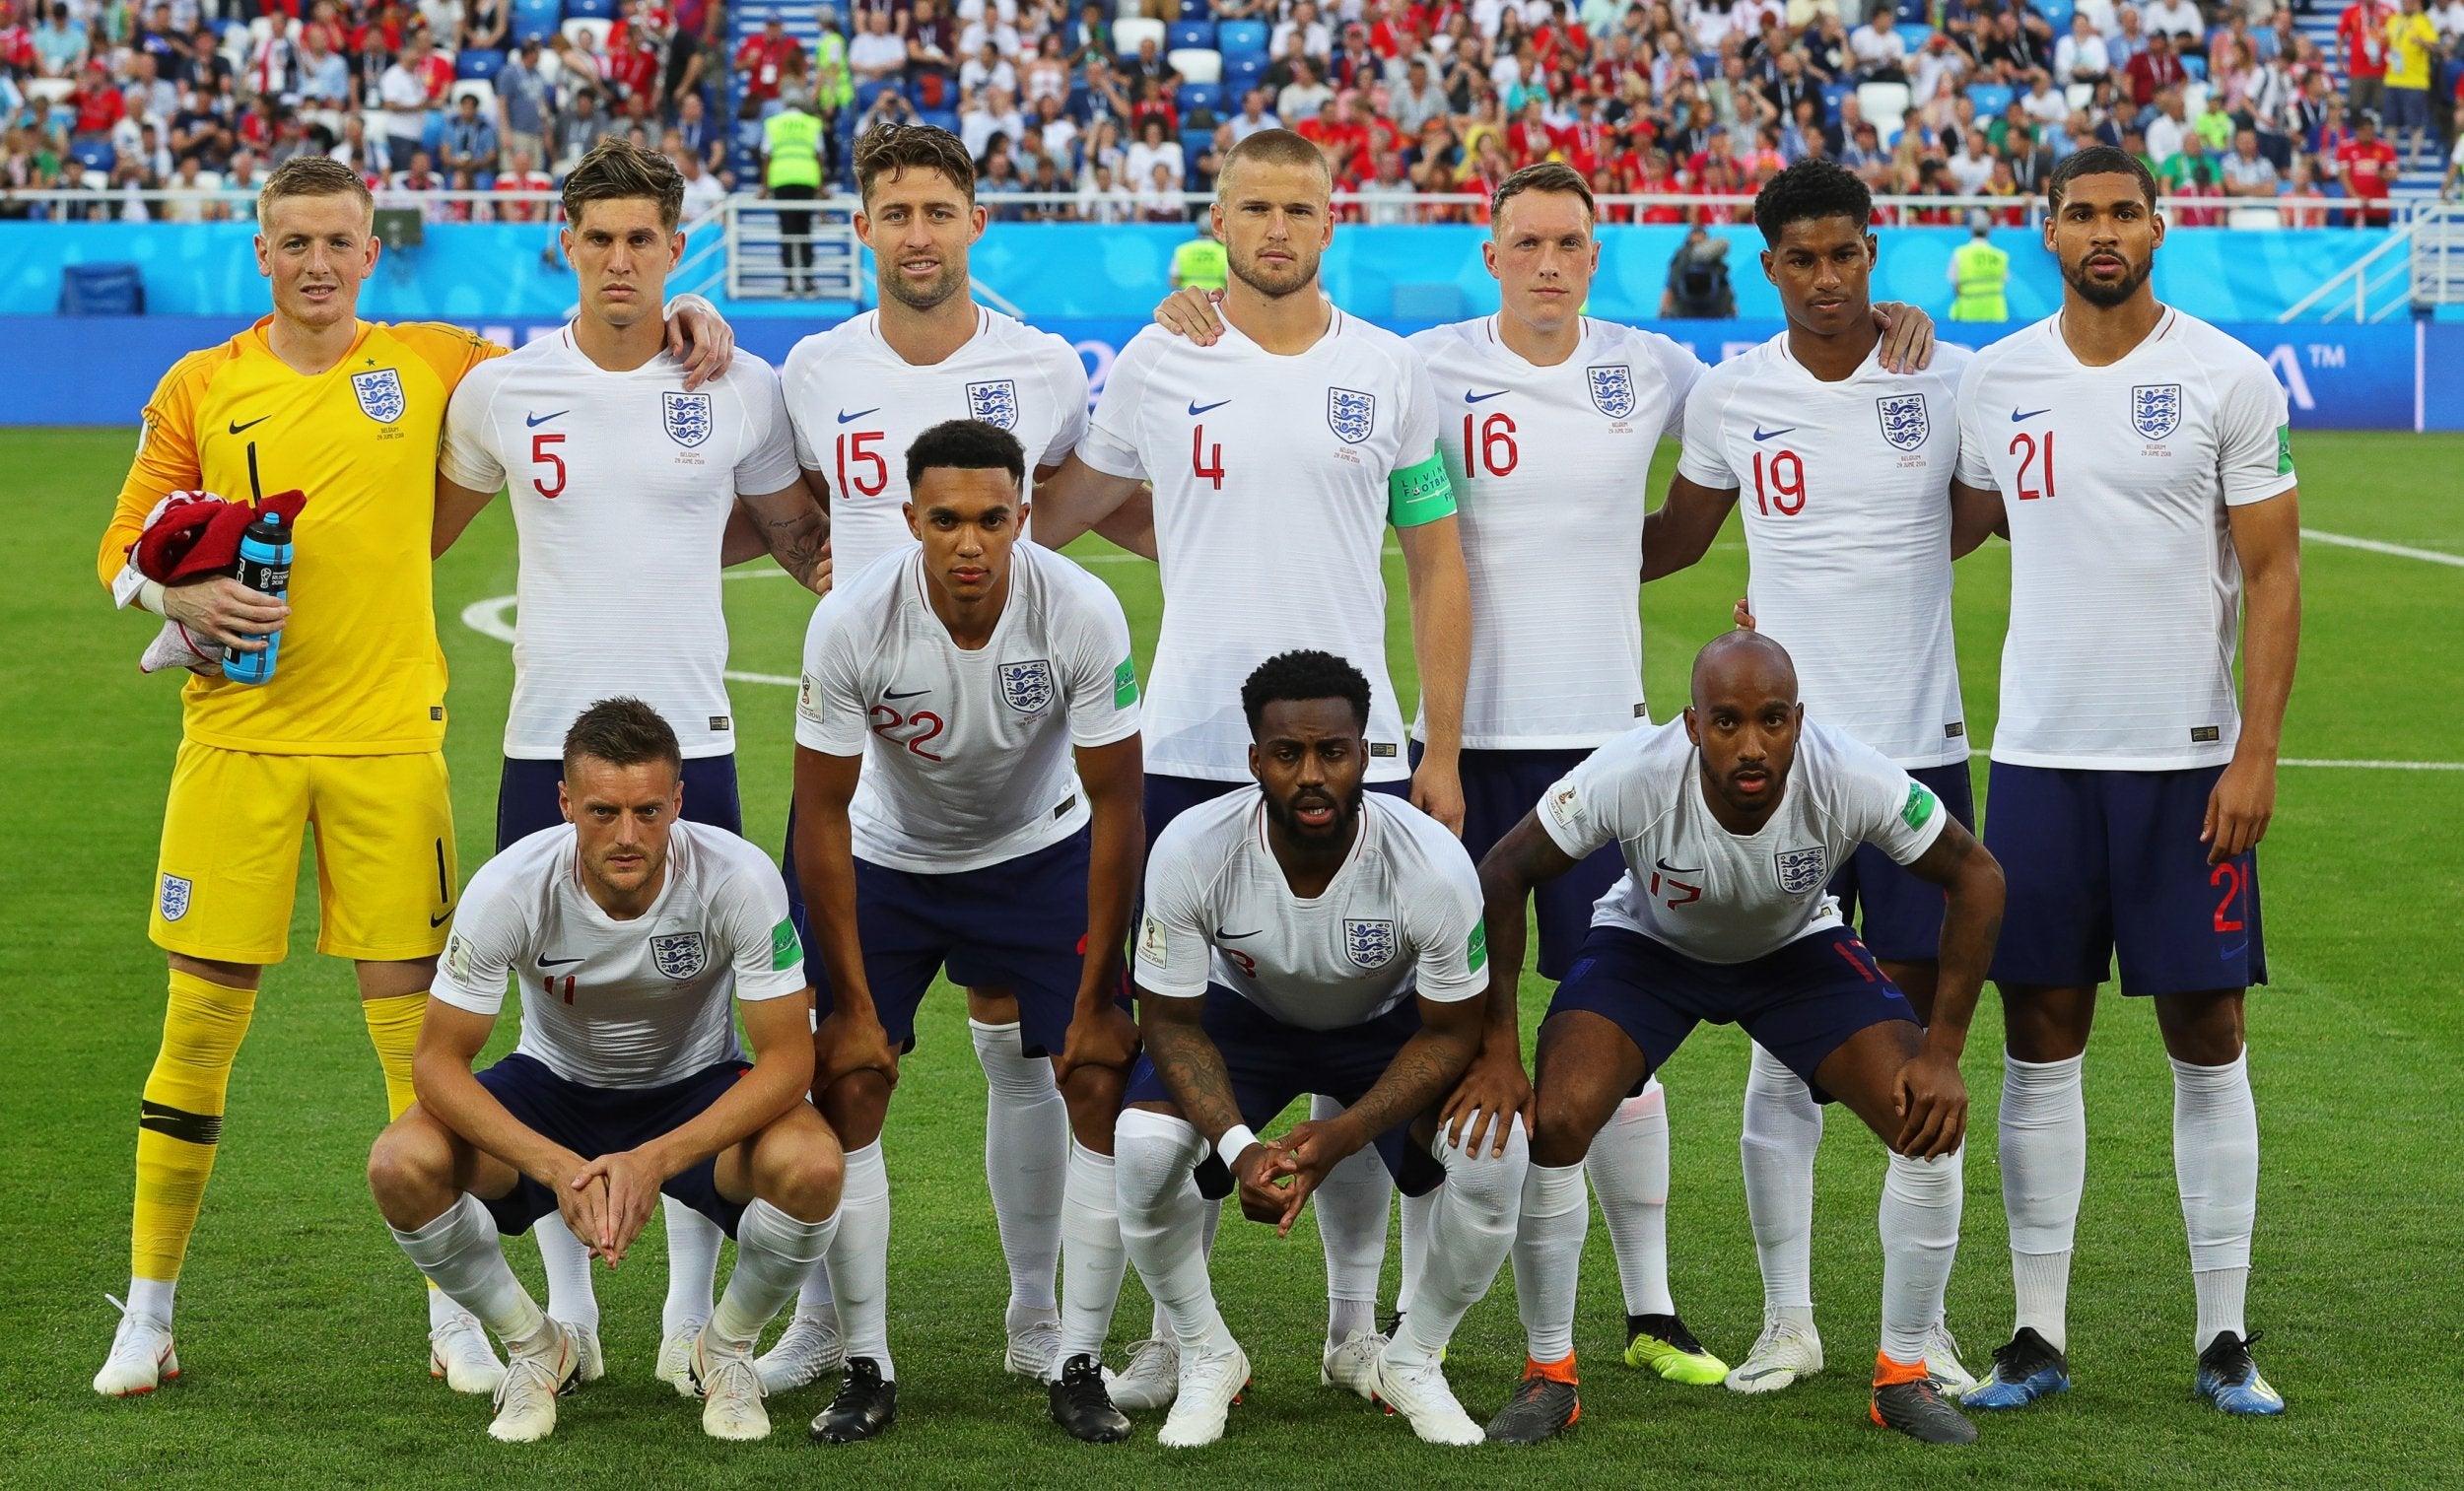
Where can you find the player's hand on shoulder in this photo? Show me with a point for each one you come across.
(1191, 312)
(1109, 1041)
(1907, 336)
(1493, 1094)
(1931, 1100)
(841, 1047)
(227, 611)
(701, 338)
(1741, 615)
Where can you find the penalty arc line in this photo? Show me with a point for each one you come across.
(2348, 541)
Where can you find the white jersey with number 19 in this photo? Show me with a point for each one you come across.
(2125, 589)
(1271, 505)
(1548, 467)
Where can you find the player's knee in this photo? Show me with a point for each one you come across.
(1484, 1180)
(1152, 1153)
(806, 1185)
(1562, 1125)
(409, 1168)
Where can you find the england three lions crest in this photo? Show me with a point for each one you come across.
(2155, 409)
(678, 955)
(1612, 390)
(1904, 422)
(688, 417)
(994, 402)
(1368, 944)
(1027, 686)
(380, 394)
(1351, 413)
(1802, 870)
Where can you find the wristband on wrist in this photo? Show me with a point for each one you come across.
(150, 597)
(1234, 1139)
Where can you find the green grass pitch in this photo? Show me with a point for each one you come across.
(300, 1326)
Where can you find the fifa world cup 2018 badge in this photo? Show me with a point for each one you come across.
(1612, 390)
(380, 394)
(1905, 425)
(1351, 413)
(688, 417)
(2155, 409)
(994, 401)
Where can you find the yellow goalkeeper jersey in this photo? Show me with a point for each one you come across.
(361, 673)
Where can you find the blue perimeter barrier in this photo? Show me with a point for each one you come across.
(2399, 377)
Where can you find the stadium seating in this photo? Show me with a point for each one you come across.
(97, 155)
(1190, 35)
(1242, 38)
(50, 90)
(536, 17)
(1131, 35)
(1202, 66)
(478, 62)
(1991, 98)
(473, 88)
(1914, 35)
(596, 10)
(1832, 94)
(2195, 64)
(1242, 72)
(1884, 104)
(1197, 96)
(1196, 9)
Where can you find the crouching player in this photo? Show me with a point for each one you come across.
(628, 930)
(1731, 821)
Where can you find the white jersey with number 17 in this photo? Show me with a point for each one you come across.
(1271, 505)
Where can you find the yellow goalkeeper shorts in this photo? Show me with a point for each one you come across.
(386, 868)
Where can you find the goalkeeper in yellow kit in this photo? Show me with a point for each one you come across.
(348, 735)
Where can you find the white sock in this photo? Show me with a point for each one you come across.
(1919, 1221)
(440, 1308)
(1629, 1170)
(1026, 1164)
(773, 1252)
(1469, 1236)
(860, 1258)
(461, 1251)
(1163, 1222)
(1783, 1129)
(1417, 1212)
(1353, 1205)
(1547, 1256)
(692, 1266)
(1092, 1261)
(2044, 1165)
(2216, 1163)
(571, 1297)
(152, 1296)
(814, 1297)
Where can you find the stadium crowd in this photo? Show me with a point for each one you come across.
(1094, 116)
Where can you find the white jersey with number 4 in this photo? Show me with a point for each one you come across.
(1271, 505)
(1719, 897)
(1550, 469)
(1845, 488)
(857, 405)
(1401, 917)
(2125, 590)
(622, 484)
(966, 753)
(624, 1004)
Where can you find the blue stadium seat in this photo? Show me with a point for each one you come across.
(1196, 143)
(1241, 71)
(1833, 93)
(865, 93)
(939, 118)
(1990, 98)
(1196, 9)
(1914, 12)
(1915, 35)
(2057, 14)
(478, 62)
(536, 17)
(2195, 64)
(97, 154)
(1241, 37)
(597, 10)
(1189, 33)
(1197, 96)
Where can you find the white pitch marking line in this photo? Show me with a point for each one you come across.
(2347, 541)
(2377, 765)
(493, 618)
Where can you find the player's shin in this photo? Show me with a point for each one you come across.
(567, 1262)
(179, 1124)
(1416, 1213)
(2216, 1163)
(860, 1258)
(1353, 1206)
(1919, 1221)
(463, 1252)
(2043, 1122)
(1547, 1256)
(692, 1267)
(1162, 1222)
(1470, 1232)
(774, 1253)
(1628, 1166)
(1092, 1260)
(394, 1029)
(1026, 1158)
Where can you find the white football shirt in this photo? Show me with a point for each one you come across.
(1719, 897)
(1401, 917)
(1845, 488)
(967, 758)
(2125, 590)
(1550, 467)
(624, 1004)
(857, 405)
(621, 485)
(1271, 517)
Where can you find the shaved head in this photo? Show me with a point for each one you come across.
(1743, 723)
(1742, 663)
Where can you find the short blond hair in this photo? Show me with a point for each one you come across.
(1276, 147)
(307, 176)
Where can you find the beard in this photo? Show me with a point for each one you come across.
(1347, 810)
(949, 282)
(1272, 284)
(2107, 294)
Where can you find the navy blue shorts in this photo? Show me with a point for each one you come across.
(1899, 915)
(595, 1120)
(1800, 1004)
(1272, 1063)
(525, 796)
(1498, 788)
(1019, 925)
(2107, 862)
(1168, 797)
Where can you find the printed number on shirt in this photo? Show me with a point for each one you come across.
(859, 447)
(1242, 961)
(1783, 487)
(925, 725)
(2031, 454)
(541, 455)
(1494, 452)
(1200, 453)
(548, 986)
(1676, 891)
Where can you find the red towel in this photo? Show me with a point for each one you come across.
(198, 533)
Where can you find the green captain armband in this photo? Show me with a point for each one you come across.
(1421, 494)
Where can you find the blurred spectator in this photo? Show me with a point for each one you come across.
(1253, 115)
(761, 60)
(469, 143)
(2366, 165)
(2411, 49)
(2081, 56)
(1698, 285)
(526, 104)
(2246, 172)
(2362, 51)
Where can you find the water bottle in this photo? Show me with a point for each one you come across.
(264, 566)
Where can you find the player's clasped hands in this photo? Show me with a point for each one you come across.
(628, 1183)
(1298, 1166)
(222, 609)
(1931, 1101)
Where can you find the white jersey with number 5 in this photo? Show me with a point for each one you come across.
(622, 484)
(1719, 897)
(1845, 488)
(625, 1004)
(1401, 917)
(1272, 507)
(965, 753)
(2125, 590)
(1549, 472)
(857, 405)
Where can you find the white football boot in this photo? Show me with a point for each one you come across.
(1211, 1381)
(810, 1349)
(1353, 1364)
(1151, 1381)
(142, 1358)
(732, 1390)
(1420, 1395)
(526, 1402)
(1785, 1352)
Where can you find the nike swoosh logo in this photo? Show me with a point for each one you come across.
(1469, 398)
(1223, 936)
(909, 694)
(2017, 416)
(844, 417)
(1758, 1373)
(1196, 408)
(236, 427)
(534, 421)
(547, 961)
(440, 919)
(2235, 950)
(1761, 433)
(1671, 869)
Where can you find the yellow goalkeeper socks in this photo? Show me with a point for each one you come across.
(393, 1028)
(181, 1118)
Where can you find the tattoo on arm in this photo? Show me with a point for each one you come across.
(1427, 1067)
(796, 541)
(1193, 1071)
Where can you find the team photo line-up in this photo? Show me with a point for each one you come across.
(1178, 904)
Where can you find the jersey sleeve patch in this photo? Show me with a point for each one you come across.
(1419, 494)
(1920, 805)
(2284, 450)
(1475, 947)
(1125, 685)
(1153, 946)
(785, 952)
